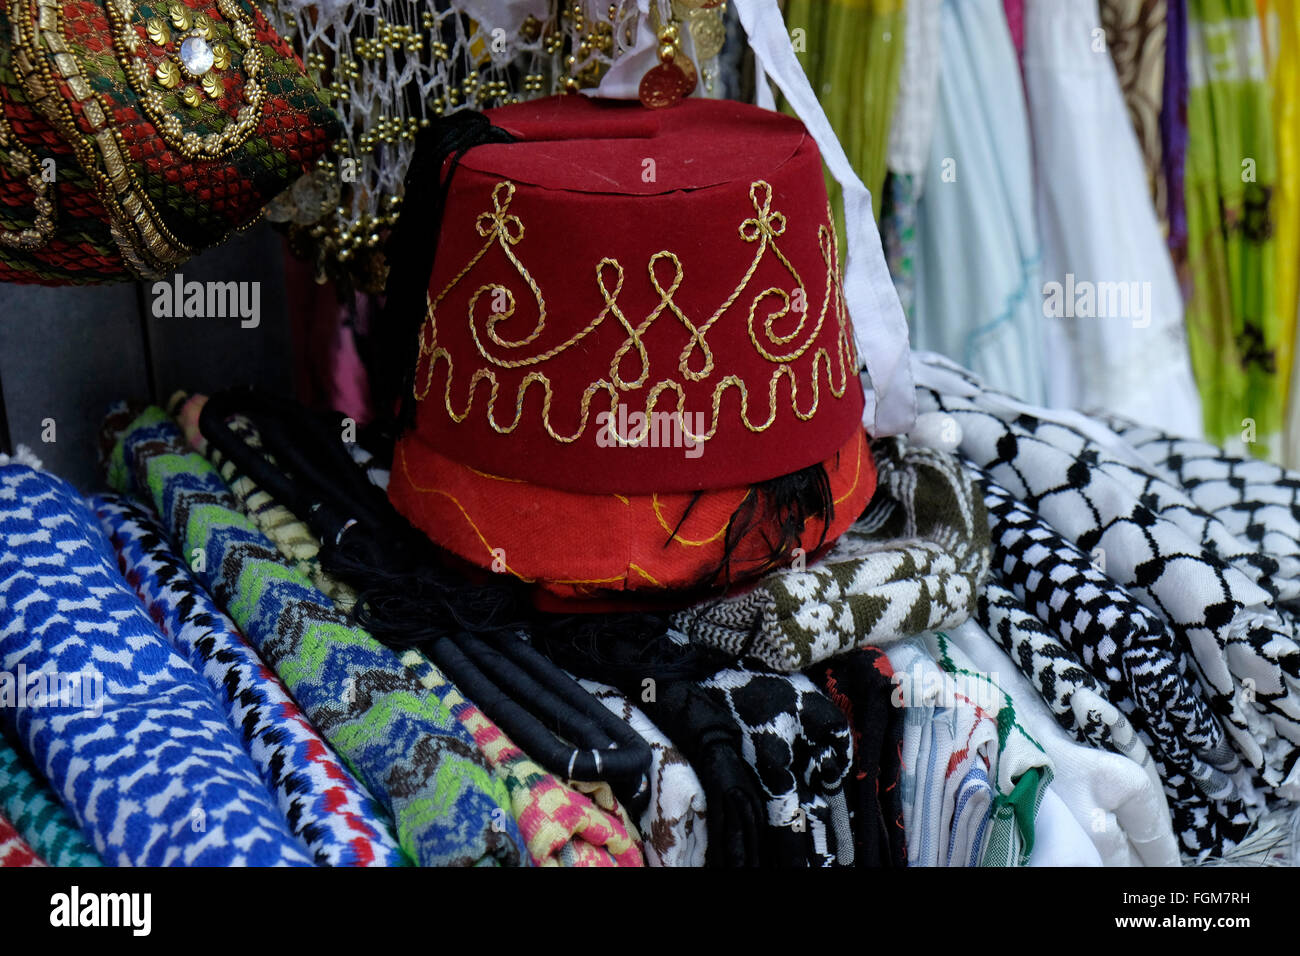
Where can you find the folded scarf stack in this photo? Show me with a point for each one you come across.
(560, 825)
(912, 563)
(171, 784)
(325, 805)
(1208, 590)
(1129, 651)
(401, 741)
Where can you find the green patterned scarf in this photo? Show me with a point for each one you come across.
(1234, 330)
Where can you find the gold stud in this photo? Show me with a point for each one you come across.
(158, 32)
(191, 96)
(181, 16)
(167, 74)
(212, 86)
(220, 56)
(203, 23)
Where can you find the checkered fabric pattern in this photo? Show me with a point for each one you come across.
(150, 768)
(1243, 651)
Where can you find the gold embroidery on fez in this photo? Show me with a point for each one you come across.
(501, 228)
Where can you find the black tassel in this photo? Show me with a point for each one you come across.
(778, 510)
(410, 252)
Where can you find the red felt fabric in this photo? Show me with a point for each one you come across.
(574, 211)
(579, 547)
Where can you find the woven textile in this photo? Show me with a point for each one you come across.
(337, 820)
(14, 851)
(1135, 38)
(400, 740)
(561, 826)
(800, 746)
(1234, 328)
(176, 163)
(38, 816)
(946, 743)
(1079, 704)
(138, 747)
(860, 683)
(912, 563)
(674, 825)
(1020, 770)
(971, 818)
(291, 536)
(1119, 803)
(1243, 651)
(1258, 502)
(1122, 644)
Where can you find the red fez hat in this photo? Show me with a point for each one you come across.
(635, 318)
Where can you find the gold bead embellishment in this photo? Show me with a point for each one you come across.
(198, 49)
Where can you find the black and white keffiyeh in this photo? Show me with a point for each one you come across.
(1258, 501)
(1243, 650)
(1081, 706)
(800, 745)
(1118, 640)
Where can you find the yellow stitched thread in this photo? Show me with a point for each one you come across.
(122, 15)
(401, 450)
(687, 542)
(857, 473)
(505, 230)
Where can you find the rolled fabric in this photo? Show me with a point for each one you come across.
(674, 824)
(947, 790)
(1079, 703)
(860, 683)
(714, 745)
(136, 746)
(561, 826)
(38, 816)
(1119, 805)
(326, 807)
(1019, 768)
(911, 563)
(14, 851)
(1244, 653)
(293, 539)
(401, 740)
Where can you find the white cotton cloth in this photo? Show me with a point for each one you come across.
(1117, 802)
(1059, 839)
(1112, 311)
